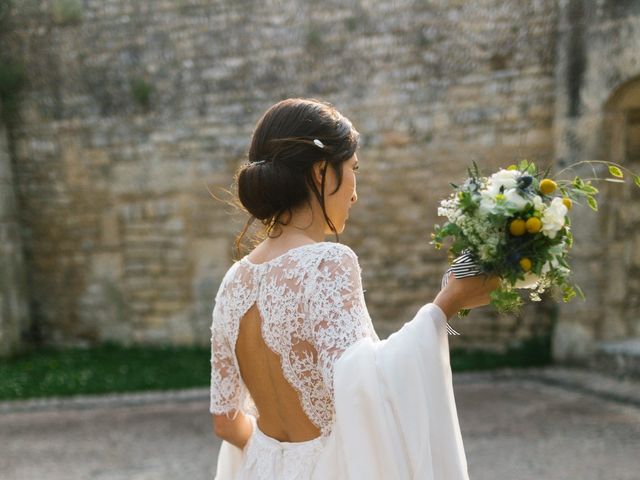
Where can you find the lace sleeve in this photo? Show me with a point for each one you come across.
(338, 312)
(226, 390)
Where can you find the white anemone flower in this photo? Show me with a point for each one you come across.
(502, 178)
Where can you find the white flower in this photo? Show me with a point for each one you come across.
(486, 252)
(449, 208)
(508, 178)
(487, 203)
(513, 196)
(538, 204)
(502, 178)
(553, 218)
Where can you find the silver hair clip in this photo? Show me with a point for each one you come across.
(259, 162)
(318, 143)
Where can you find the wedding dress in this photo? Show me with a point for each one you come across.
(385, 409)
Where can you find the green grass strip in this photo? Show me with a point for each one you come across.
(111, 368)
(107, 368)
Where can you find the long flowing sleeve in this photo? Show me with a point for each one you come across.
(396, 415)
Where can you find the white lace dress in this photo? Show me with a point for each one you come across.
(312, 307)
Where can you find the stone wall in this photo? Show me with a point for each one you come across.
(598, 100)
(135, 109)
(14, 314)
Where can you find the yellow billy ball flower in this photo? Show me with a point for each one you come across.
(525, 264)
(567, 203)
(512, 167)
(533, 225)
(548, 186)
(517, 227)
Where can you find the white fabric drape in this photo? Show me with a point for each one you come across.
(396, 415)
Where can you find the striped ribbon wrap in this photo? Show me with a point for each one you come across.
(463, 266)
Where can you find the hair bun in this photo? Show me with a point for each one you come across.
(292, 136)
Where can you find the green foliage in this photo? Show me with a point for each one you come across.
(533, 352)
(12, 81)
(467, 203)
(526, 166)
(615, 171)
(5, 9)
(108, 368)
(351, 23)
(111, 368)
(423, 41)
(506, 301)
(314, 39)
(66, 12)
(141, 91)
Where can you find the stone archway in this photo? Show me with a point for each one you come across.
(620, 217)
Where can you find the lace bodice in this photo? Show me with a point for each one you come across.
(312, 307)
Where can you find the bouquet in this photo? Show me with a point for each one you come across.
(515, 224)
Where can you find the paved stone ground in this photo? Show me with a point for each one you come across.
(551, 424)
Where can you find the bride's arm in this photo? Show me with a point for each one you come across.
(236, 431)
(465, 293)
(227, 394)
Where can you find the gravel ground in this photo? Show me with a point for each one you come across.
(551, 424)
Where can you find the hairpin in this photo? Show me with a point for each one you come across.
(259, 162)
(318, 143)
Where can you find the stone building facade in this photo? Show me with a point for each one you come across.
(598, 117)
(135, 111)
(14, 313)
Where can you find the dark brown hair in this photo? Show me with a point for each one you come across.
(278, 176)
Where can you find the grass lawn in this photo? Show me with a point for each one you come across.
(108, 368)
(113, 368)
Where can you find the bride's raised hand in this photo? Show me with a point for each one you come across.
(465, 293)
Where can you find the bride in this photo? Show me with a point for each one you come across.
(301, 386)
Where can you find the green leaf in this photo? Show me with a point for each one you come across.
(615, 171)
(506, 301)
(636, 180)
(592, 203)
(568, 293)
(476, 170)
(588, 188)
(522, 165)
(562, 261)
(569, 239)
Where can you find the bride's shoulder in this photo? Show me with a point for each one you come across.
(335, 248)
(339, 253)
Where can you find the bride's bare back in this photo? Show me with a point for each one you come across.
(281, 415)
(278, 327)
